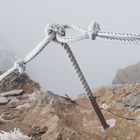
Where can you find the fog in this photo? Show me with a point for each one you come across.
(22, 26)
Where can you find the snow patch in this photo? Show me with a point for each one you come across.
(111, 123)
(13, 135)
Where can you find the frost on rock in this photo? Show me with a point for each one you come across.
(111, 122)
(14, 135)
(105, 106)
(12, 93)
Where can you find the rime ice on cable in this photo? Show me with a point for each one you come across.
(56, 33)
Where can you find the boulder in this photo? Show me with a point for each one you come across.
(18, 81)
(132, 101)
(3, 100)
(12, 93)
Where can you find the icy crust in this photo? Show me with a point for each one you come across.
(13, 135)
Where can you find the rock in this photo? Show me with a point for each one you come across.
(132, 101)
(37, 132)
(2, 120)
(18, 81)
(12, 93)
(45, 115)
(128, 75)
(3, 100)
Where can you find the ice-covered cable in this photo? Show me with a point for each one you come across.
(20, 64)
(94, 32)
(37, 49)
(57, 33)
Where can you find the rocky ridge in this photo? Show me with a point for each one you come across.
(128, 75)
(43, 115)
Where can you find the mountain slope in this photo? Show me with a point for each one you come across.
(128, 75)
(42, 115)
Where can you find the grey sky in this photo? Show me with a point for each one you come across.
(22, 25)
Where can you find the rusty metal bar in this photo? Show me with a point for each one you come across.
(85, 85)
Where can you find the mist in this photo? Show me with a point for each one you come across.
(22, 26)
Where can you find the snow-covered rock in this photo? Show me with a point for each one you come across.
(13, 135)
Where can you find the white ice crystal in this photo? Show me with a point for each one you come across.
(13, 135)
(105, 106)
(111, 122)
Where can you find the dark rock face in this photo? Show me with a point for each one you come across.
(128, 75)
(18, 81)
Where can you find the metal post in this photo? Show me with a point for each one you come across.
(85, 85)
